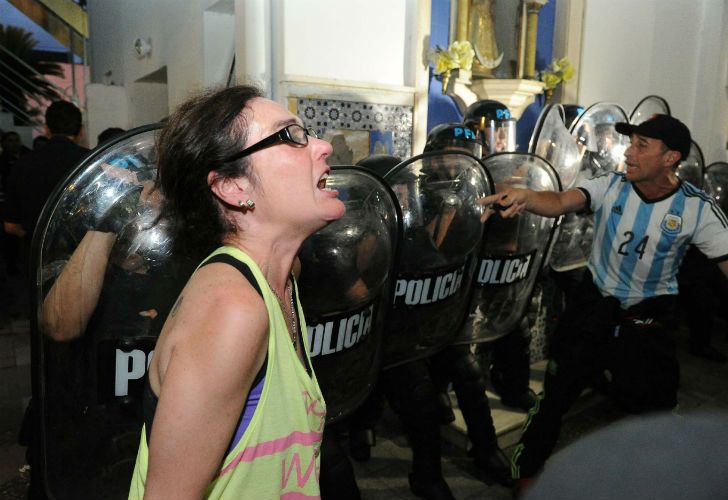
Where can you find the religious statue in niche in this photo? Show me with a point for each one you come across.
(482, 37)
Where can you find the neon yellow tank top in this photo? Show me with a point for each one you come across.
(278, 455)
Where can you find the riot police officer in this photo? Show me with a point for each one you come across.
(509, 355)
(456, 364)
(410, 384)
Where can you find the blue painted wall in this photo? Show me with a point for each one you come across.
(442, 109)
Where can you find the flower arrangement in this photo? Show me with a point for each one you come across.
(459, 55)
(559, 71)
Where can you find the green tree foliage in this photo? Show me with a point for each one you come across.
(22, 83)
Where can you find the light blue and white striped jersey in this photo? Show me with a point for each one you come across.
(639, 244)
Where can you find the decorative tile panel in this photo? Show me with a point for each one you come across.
(359, 129)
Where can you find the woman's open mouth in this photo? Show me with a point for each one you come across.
(322, 181)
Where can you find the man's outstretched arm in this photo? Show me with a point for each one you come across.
(513, 201)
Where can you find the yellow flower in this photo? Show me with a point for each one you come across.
(560, 70)
(444, 62)
(560, 64)
(463, 53)
(568, 73)
(457, 55)
(550, 80)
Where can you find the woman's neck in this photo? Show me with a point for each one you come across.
(274, 255)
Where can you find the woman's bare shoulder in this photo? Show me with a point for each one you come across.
(222, 282)
(218, 316)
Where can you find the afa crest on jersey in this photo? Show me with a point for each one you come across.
(671, 224)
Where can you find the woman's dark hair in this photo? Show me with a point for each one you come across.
(200, 134)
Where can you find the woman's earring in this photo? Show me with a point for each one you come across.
(249, 203)
(240, 203)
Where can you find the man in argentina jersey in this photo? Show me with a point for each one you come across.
(622, 321)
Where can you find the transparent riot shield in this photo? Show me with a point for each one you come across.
(499, 135)
(601, 149)
(692, 168)
(512, 252)
(104, 281)
(716, 183)
(601, 144)
(650, 105)
(441, 237)
(346, 276)
(552, 141)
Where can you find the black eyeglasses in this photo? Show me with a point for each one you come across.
(292, 134)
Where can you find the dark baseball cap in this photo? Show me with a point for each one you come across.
(668, 129)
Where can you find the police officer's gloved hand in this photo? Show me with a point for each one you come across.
(120, 213)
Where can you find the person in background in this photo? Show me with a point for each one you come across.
(622, 320)
(39, 142)
(34, 176)
(11, 152)
(30, 183)
(231, 376)
(108, 134)
(12, 149)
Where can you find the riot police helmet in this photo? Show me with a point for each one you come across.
(454, 137)
(494, 123)
(380, 164)
(488, 109)
(571, 113)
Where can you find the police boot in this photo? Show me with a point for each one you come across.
(447, 416)
(360, 444)
(494, 464)
(523, 401)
